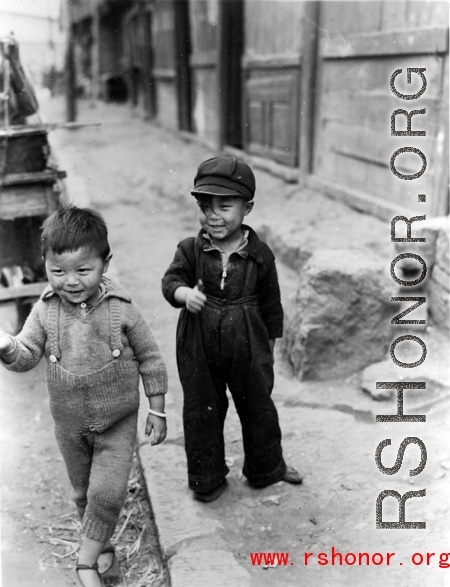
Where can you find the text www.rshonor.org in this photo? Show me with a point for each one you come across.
(350, 559)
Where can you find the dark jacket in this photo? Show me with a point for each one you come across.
(183, 271)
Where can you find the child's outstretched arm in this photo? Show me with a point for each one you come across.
(24, 351)
(7, 347)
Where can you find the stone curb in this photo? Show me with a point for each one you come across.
(192, 548)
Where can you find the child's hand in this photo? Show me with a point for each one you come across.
(195, 298)
(6, 344)
(159, 427)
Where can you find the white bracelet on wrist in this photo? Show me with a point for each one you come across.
(155, 413)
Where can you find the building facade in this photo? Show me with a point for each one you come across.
(302, 87)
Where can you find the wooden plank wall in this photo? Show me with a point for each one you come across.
(273, 27)
(361, 45)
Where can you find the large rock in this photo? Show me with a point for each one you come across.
(315, 223)
(292, 247)
(339, 320)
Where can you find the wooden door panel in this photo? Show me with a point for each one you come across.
(280, 126)
(271, 98)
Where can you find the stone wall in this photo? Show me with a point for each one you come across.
(435, 252)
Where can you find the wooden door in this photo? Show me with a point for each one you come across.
(204, 21)
(273, 46)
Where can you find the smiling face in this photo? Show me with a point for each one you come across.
(76, 275)
(222, 216)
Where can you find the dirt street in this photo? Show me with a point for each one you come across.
(138, 176)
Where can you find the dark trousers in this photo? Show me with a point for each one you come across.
(227, 345)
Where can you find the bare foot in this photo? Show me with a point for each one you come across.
(88, 578)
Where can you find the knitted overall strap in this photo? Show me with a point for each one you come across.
(53, 326)
(115, 326)
(114, 323)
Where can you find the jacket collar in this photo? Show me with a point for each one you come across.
(253, 247)
(112, 288)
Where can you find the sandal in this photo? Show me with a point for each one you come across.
(81, 567)
(112, 573)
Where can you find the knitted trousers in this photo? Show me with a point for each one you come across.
(98, 465)
(95, 425)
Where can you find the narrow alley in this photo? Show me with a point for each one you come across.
(138, 176)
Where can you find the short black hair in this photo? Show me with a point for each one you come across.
(70, 228)
(203, 198)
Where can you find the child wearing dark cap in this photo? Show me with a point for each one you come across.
(97, 344)
(226, 283)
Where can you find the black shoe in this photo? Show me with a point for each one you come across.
(292, 476)
(211, 495)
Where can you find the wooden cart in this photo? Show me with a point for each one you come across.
(30, 185)
(30, 189)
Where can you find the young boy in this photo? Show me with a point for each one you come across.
(226, 282)
(96, 343)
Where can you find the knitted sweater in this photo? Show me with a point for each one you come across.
(84, 341)
(183, 271)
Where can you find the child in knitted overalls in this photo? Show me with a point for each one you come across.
(97, 344)
(226, 282)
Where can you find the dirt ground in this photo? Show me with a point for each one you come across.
(137, 175)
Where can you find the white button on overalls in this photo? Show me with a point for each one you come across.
(116, 353)
(53, 359)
